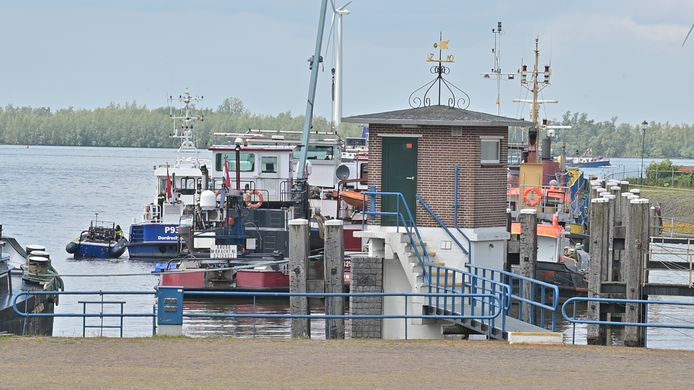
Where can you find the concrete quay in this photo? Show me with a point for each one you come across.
(224, 363)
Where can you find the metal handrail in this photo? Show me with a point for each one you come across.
(509, 278)
(472, 284)
(490, 315)
(121, 315)
(645, 324)
(444, 226)
(409, 227)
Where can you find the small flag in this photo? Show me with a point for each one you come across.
(169, 185)
(227, 180)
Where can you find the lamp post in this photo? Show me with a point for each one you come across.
(238, 142)
(643, 148)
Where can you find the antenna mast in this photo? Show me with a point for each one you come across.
(496, 70)
(535, 85)
(187, 118)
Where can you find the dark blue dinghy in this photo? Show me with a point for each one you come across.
(103, 240)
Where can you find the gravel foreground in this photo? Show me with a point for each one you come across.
(223, 363)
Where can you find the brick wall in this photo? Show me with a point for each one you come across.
(482, 189)
(367, 277)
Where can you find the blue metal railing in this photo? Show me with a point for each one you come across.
(493, 310)
(415, 238)
(456, 281)
(443, 225)
(26, 314)
(456, 206)
(645, 324)
(493, 306)
(548, 302)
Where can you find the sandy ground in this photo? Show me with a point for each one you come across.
(164, 363)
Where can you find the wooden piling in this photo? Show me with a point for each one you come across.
(599, 210)
(298, 268)
(610, 268)
(334, 277)
(636, 244)
(528, 254)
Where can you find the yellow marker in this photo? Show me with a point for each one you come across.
(443, 45)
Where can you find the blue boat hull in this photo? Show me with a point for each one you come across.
(153, 240)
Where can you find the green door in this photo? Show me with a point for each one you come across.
(399, 174)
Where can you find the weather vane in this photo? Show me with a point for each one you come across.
(457, 97)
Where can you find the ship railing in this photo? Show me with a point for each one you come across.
(102, 303)
(401, 216)
(631, 304)
(545, 199)
(536, 302)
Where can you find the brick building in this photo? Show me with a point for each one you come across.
(416, 152)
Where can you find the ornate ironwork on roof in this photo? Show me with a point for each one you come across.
(456, 97)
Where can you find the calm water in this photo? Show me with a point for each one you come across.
(51, 193)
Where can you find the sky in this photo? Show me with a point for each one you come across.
(620, 58)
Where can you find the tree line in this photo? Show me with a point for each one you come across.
(133, 125)
(612, 139)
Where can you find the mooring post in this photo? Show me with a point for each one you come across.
(528, 256)
(611, 211)
(298, 267)
(599, 209)
(635, 257)
(334, 277)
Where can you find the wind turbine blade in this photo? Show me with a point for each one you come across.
(345, 6)
(332, 3)
(689, 33)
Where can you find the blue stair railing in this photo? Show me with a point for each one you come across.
(447, 280)
(404, 218)
(546, 306)
(442, 224)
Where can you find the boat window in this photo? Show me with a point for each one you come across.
(187, 186)
(316, 152)
(247, 162)
(490, 151)
(268, 164)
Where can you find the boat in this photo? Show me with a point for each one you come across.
(556, 194)
(156, 234)
(229, 245)
(102, 240)
(23, 270)
(586, 160)
(558, 260)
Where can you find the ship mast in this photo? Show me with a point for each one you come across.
(187, 151)
(535, 86)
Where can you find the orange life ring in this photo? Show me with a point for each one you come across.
(535, 200)
(249, 199)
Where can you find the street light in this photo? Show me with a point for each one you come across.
(643, 147)
(238, 141)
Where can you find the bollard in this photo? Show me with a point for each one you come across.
(334, 277)
(298, 267)
(528, 257)
(170, 311)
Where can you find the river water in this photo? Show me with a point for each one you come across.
(50, 194)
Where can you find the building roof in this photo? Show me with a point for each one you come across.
(437, 116)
